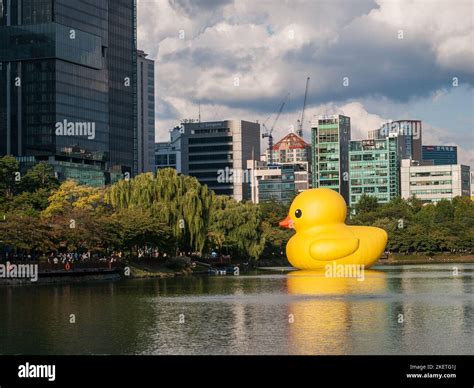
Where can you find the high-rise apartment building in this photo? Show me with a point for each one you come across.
(330, 136)
(373, 166)
(68, 86)
(145, 112)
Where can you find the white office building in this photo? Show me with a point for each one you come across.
(145, 113)
(434, 183)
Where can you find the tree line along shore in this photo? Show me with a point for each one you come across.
(166, 215)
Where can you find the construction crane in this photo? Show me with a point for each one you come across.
(269, 132)
(299, 132)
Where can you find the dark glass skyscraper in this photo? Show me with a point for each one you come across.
(68, 85)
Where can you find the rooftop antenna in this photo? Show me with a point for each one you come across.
(199, 111)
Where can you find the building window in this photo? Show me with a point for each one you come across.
(162, 160)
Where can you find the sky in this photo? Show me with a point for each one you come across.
(373, 60)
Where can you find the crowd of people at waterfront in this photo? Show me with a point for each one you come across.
(61, 257)
(88, 257)
(77, 257)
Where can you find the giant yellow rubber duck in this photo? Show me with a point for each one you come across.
(322, 237)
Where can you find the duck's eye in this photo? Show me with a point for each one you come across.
(298, 213)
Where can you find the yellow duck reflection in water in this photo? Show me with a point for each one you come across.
(322, 237)
(327, 311)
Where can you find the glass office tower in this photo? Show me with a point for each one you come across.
(374, 169)
(69, 64)
(330, 136)
(409, 137)
(122, 67)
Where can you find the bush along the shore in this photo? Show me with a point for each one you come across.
(168, 215)
(413, 227)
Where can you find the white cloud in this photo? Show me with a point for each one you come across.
(433, 135)
(446, 25)
(272, 46)
(361, 120)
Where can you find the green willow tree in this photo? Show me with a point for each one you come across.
(236, 226)
(196, 217)
(179, 201)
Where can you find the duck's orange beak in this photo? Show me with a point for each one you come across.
(287, 223)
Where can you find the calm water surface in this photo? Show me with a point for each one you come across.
(396, 310)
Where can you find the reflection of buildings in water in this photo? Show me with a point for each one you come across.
(259, 324)
(239, 330)
(468, 307)
(429, 294)
(69, 319)
(331, 314)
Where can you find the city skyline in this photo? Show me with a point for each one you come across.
(237, 59)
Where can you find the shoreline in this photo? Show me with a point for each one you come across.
(151, 270)
(147, 273)
(136, 270)
(394, 259)
(426, 259)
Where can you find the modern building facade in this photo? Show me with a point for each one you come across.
(216, 153)
(121, 62)
(165, 156)
(373, 166)
(330, 136)
(145, 113)
(408, 134)
(168, 154)
(440, 154)
(302, 171)
(68, 86)
(434, 183)
(293, 151)
(275, 182)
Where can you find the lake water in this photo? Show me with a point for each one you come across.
(416, 309)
